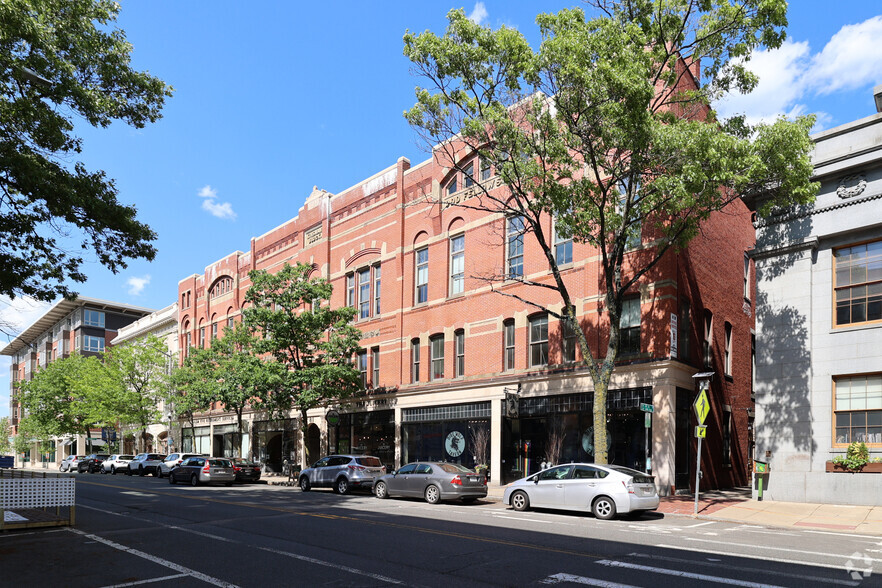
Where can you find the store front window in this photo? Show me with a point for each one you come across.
(446, 433)
(275, 442)
(551, 430)
(368, 433)
(198, 443)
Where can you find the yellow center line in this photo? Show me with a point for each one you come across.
(366, 522)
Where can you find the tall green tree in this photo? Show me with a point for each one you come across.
(139, 375)
(608, 129)
(192, 389)
(242, 377)
(60, 398)
(63, 61)
(314, 343)
(5, 435)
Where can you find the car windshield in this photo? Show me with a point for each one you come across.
(371, 462)
(126, 457)
(220, 463)
(455, 468)
(102, 456)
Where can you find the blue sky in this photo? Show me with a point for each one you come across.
(269, 103)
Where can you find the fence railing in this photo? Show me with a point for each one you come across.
(36, 499)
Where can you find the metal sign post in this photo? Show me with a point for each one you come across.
(648, 410)
(702, 408)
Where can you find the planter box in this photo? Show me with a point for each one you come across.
(870, 468)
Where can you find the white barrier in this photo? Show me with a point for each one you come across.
(37, 493)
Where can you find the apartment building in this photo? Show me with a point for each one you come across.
(86, 326)
(446, 359)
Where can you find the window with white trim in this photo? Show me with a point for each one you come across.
(629, 327)
(539, 340)
(746, 277)
(708, 338)
(375, 367)
(563, 247)
(364, 293)
(459, 345)
(377, 290)
(457, 264)
(93, 318)
(514, 249)
(728, 357)
(362, 362)
(437, 344)
(92, 343)
(468, 174)
(415, 360)
(421, 293)
(508, 342)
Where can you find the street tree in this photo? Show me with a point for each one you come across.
(5, 435)
(138, 378)
(313, 342)
(192, 389)
(60, 398)
(608, 129)
(241, 378)
(63, 61)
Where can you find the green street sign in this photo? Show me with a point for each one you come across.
(647, 408)
(648, 420)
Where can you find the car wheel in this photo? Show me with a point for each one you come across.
(194, 480)
(304, 483)
(381, 491)
(171, 479)
(604, 508)
(112, 470)
(141, 471)
(159, 473)
(520, 501)
(433, 494)
(342, 486)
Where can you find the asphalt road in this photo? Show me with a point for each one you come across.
(143, 531)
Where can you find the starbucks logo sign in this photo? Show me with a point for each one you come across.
(454, 444)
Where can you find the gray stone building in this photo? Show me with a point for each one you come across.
(818, 345)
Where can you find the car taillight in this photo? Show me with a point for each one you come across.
(256, 469)
(237, 468)
(629, 486)
(356, 467)
(456, 481)
(485, 480)
(206, 469)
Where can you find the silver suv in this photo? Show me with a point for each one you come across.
(342, 473)
(145, 463)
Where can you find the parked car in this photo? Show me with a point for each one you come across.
(203, 470)
(91, 463)
(246, 470)
(342, 473)
(434, 481)
(173, 460)
(145, 463)
(604, 490)
(70, 463)
(116, 463)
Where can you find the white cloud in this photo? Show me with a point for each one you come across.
(479, 13)
(212, 206)
(137, 285)
(852, 59)
(219, 209)
(20, 313)
(791, 74)
(208, 192)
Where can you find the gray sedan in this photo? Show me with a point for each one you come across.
(434, 481)
(203, 470)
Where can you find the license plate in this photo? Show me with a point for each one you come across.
(220, 471)
(473, 478)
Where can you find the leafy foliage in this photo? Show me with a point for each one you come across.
(856, 456)
(607, 128)
(61, 59)
(312, 342)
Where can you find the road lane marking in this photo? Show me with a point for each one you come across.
(150, 581)
(867, 538)
(133, 493)
(522, 519)
(700, 524)
(328, 564)
(155, 559)
(572, 579)
(681, 574)
(717, 564)
(798, 562)
(772, 547)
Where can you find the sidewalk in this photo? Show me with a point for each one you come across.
(735, 505)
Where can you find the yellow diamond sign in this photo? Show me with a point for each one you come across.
(702, 407)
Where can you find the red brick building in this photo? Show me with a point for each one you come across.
(441, 350)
